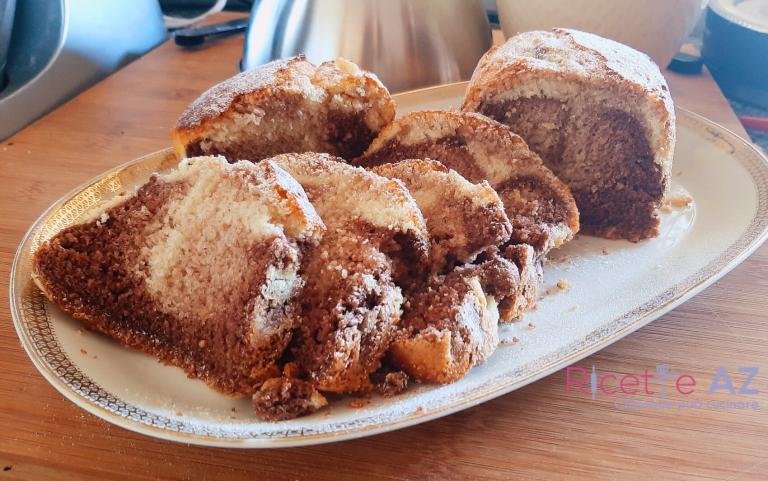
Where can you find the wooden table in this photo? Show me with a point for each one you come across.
(537, 432)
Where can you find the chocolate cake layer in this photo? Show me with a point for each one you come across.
(350, 309)
(450, 323)
(602, 154)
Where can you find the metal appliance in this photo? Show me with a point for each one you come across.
(60, 47)
(408, 44)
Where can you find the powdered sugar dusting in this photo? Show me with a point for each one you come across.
(582, 54)
(356, 193)
(336, 82)
(217, 99)
(532, 62)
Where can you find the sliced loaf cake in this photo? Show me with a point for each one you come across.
(598, 112)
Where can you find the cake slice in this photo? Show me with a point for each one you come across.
(541, 208)
(288, 105)
(467, 223)
(463, 219)
(198, 267)
(351, 305)
(450, 319)
(598, 112)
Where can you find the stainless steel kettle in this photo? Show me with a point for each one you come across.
(407, 43)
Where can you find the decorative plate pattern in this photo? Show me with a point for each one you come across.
(40, 326)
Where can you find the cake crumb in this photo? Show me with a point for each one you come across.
(358, 403)
(531, 325)
(179, 413)
(419, 409)
(679, 201)
(291, 369)
(561, 285)
(393, 384)
(604, 251)
(509, 342)
(83, 352)
(556, 260)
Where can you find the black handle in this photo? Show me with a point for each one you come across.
(189, 37)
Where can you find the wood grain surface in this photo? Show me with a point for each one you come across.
(538, 432)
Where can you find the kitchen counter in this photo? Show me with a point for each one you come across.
(537, 432)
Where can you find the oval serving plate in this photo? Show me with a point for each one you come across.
(726, 176)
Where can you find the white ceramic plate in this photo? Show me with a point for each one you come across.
(615, 288)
